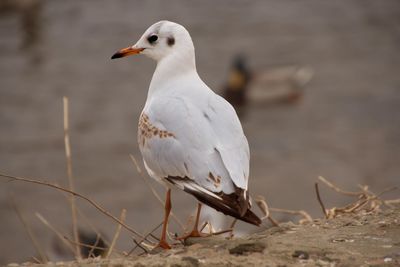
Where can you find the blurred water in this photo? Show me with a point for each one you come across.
(346, 128)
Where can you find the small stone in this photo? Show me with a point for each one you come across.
(301, 255)
(193, 261)
(387, 259)
(247, 248)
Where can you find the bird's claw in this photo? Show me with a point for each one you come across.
(163, 244)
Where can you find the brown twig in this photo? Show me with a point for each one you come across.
(223, 232)
(157, 196)
(303, 213)
(262, 204)
(273, 221)
(337, 189)
(387, 190)
(31, 235)
(36, 260)
(203, 226)
(91, 251)
(320, 201)
(232, 227)
(140, 246)
(70, 178)
(93, 203)
(144, 238)
(373, 199)
(365, 197)
(116, 235)
(92, 247)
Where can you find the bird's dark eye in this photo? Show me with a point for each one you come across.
(152, 39)
(171, 41)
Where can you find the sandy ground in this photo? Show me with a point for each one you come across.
(346, 128)
(350, 240)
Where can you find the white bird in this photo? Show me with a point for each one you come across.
(189, 136)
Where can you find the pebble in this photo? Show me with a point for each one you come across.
(387, 259)
(301, 255)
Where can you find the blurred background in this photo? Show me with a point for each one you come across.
(321, 83)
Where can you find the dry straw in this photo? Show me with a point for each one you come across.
(117, 232)
(71, 178)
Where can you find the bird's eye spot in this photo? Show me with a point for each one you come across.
(152, 39)
(170, 41)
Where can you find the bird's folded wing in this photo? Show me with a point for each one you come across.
(201, 141)
(232, 143)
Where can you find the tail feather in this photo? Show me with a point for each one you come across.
(229, 204)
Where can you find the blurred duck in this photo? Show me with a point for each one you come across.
(235, 90)
(281, 85)
(92, 239)
(93, 245)
(264, 87)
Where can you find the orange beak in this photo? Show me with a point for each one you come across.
(127, 52)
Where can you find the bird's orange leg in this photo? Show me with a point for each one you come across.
(195, 232)
(163, 241)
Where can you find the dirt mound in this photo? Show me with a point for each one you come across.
(371, 239)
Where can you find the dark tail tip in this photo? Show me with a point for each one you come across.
(117, 55)
(250, 217)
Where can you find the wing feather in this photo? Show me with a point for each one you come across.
(207, 143)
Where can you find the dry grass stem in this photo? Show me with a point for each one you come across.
(262, 204)
(117, 232)
(144, 238)
(303, 213)
(232, 227)
(337, 189)
(387, 190)
(157, 196)
(366, 200)
(273, 221)
(32, 237)
(92, 202)
(96, 243)
(320, 201)
(233, 223)
(56, 232)
(36, 260)
(70, 178)
(223, 232)
(203, 226)
(140, 246)
(92, 247)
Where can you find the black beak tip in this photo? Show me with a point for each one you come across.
(116, 55)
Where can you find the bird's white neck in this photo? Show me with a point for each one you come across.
(171, 69)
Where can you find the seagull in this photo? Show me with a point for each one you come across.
(190, 137)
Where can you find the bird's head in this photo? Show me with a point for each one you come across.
(161, 40)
